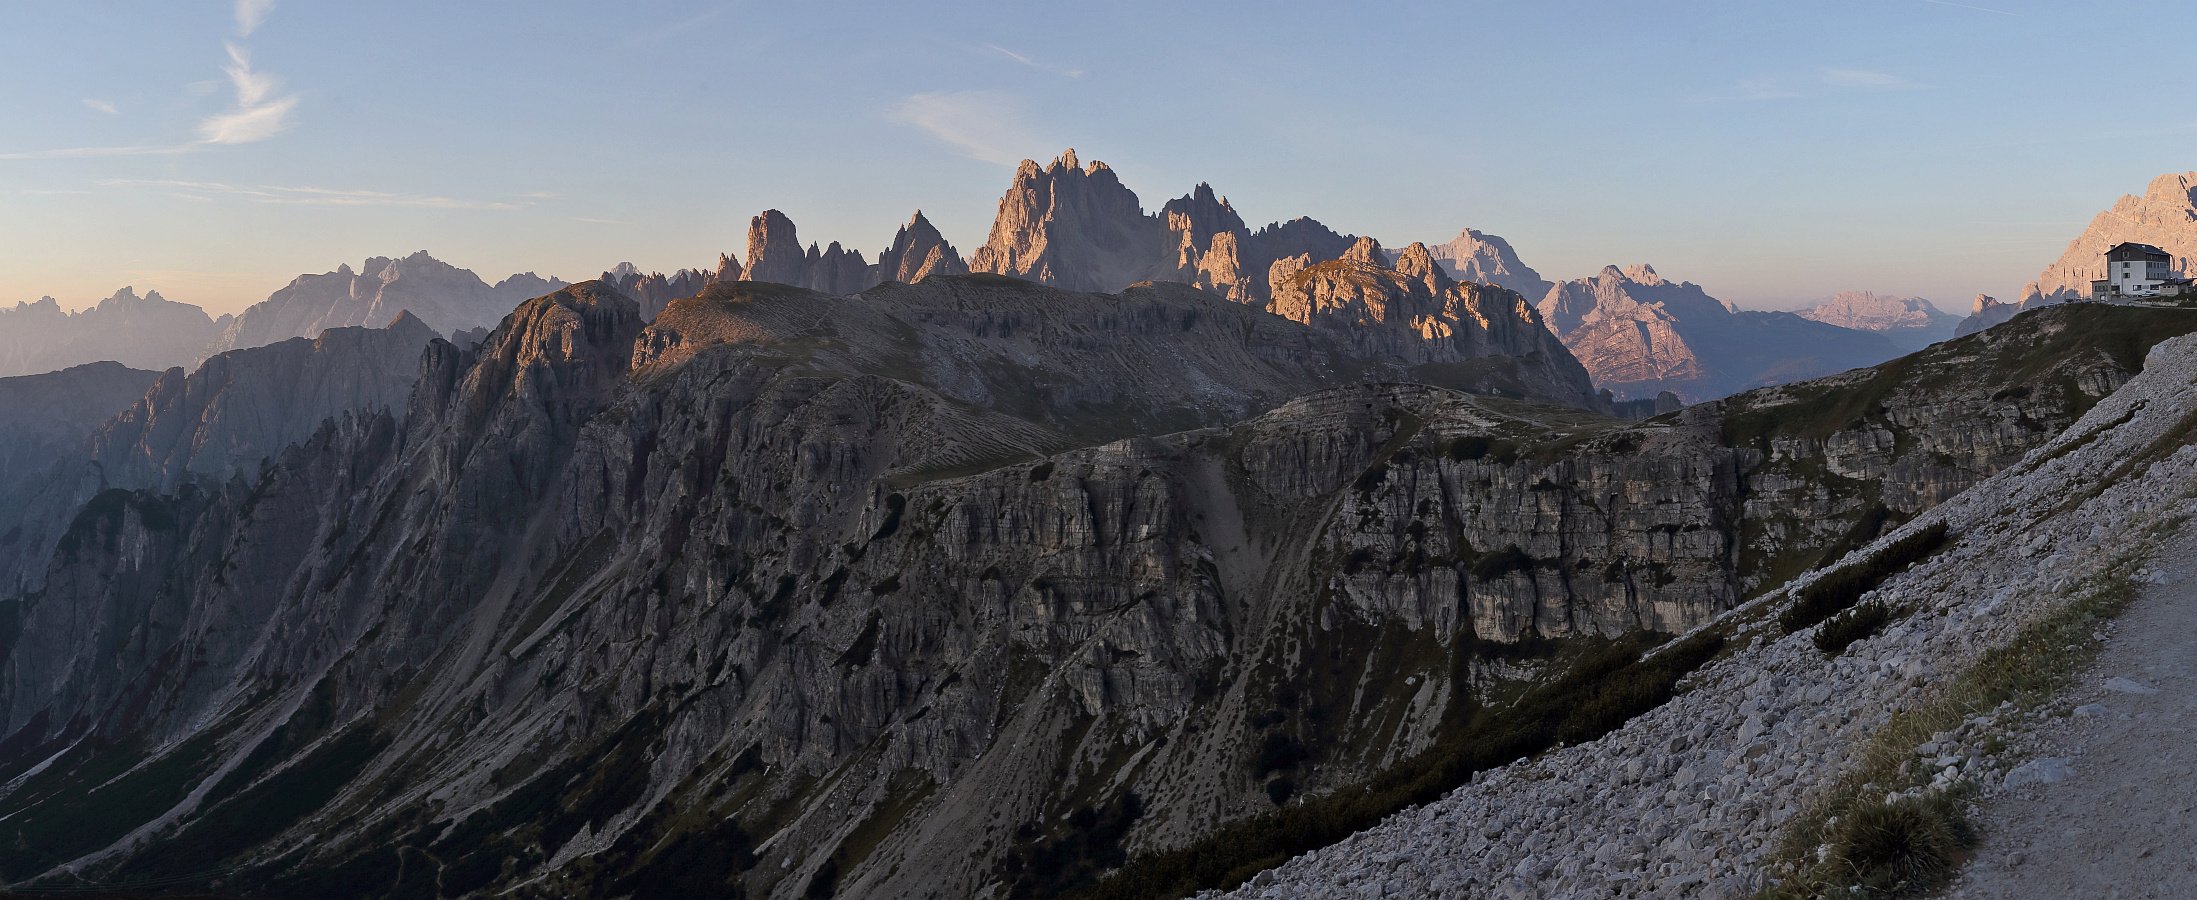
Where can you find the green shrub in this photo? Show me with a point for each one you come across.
(1903, 848)
(1853, 625)
(1841, 588)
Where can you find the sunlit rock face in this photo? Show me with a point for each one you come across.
(1639, 334)
(2165, 216)
(1912, 323)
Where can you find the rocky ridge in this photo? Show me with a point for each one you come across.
(1986, 312)
(1693, 797)
(1639, 334)
(841, 541)
(1483, 258)
(150, 332)
(443, 296)
(1912, 323)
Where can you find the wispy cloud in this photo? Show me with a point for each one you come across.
(599, 221)
(1824, 82)
(256, 117)
(249, 13)
(105, 106)
(664, 32)
(1032, 63)
(80, 152)
(1976, 8)
(1856, 78)
(310, 196)
(984, 125)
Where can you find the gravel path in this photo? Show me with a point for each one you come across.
(2124, 822)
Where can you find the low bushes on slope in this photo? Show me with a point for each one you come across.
(1841, 588)
(1600, 692)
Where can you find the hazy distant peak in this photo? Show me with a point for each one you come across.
(1642, 273)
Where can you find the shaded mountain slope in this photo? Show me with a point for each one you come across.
(149, 332)
(777, 596)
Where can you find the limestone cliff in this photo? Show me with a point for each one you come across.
(1639, 334)
(144, 332)
(2164, 217)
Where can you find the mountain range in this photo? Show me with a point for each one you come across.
(893, 580)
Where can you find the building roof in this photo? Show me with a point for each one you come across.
(2132, 251)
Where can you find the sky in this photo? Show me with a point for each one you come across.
(1773, 151)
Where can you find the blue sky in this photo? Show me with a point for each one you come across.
(1774, 151)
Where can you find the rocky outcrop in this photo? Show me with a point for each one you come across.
(443, 296)
(1077, 226)
(1414, 312)
(1986, 312)
(775, 255)
(1639, 334)
(655, 290)
(240, 408)
(1074, 227)
(2164, 217)
(148, 332)
(1483, 258)
(1911, 323)
(924, 589)
(918, 251)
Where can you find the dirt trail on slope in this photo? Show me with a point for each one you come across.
(2124, 823)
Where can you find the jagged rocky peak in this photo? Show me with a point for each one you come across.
(1485, 258)
(2164, 217)
(1641, 334)
(774, 250)
(446, 297)
(148, 331)
(918, 251)
(655, 290)
(1412, 310)
(1986, 312)
(1072, 226)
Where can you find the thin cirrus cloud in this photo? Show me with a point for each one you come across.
(1032, 63)
(1823, 82)
(249, 13)
(256, 117)
(308, 196)
(984, 125)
